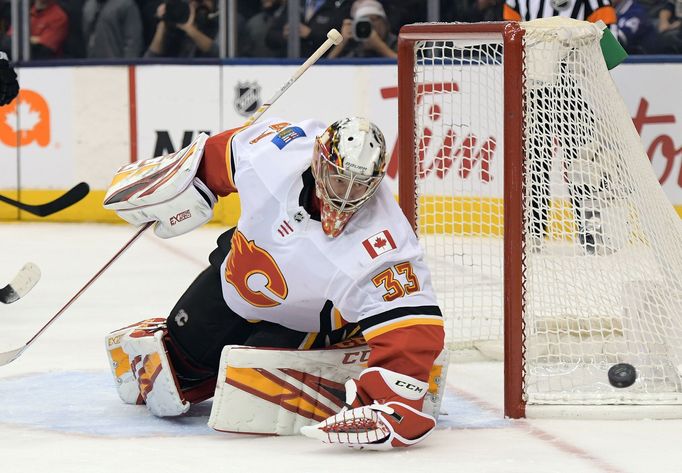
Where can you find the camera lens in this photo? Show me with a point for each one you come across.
(177, 11)
(362, 29)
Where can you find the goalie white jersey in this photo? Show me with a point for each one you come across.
(283, 268)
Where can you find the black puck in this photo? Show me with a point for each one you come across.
(622, 375)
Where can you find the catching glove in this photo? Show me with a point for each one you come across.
(383, 412)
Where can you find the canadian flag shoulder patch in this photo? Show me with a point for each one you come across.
(379, 243)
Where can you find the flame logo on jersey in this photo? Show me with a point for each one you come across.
(246, 260)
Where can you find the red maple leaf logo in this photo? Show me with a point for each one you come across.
(379, 243)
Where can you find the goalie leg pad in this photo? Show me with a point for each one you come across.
(119, 362)
(278, 391)
(143, 360)
(141, 367)
(151, 368)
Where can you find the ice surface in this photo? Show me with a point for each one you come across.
(59, 411)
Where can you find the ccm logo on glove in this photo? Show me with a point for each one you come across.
(409, 386)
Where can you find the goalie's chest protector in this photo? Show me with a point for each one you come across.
(282, 267)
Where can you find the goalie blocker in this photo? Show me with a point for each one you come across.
(164, 190)
(261, 390)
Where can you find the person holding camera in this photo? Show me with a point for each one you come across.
(185, 29)
(368, 34)
(318, 16)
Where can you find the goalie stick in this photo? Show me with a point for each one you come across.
(333, 37)
(26, 278)
(72, 196)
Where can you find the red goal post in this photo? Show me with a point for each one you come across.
(547, 233)
(511, 36)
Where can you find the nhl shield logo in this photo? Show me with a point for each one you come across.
(246, 98)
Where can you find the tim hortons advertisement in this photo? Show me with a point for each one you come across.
(652, 94)
(471, 151)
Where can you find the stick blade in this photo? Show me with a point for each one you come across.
(71, 197)
(26, 278)
(9, 356)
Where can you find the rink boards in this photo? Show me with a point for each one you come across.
(76, 124)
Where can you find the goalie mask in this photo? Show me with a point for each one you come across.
(349, 162)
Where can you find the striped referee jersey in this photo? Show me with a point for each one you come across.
(590, 10)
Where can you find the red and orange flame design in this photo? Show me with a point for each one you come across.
(146, 371)
(271, 387)
(246, 259)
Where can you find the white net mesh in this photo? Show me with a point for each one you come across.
(603, 246)
(459, 129)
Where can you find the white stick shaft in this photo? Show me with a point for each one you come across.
(299, 72)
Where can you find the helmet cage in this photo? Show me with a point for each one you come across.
(342, 189)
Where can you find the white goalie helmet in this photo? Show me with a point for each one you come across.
(349, 163)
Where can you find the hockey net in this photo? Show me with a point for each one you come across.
(540, 215)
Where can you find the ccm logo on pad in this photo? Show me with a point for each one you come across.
(184, 215)
(409, 386)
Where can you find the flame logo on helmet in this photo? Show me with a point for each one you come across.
(331, 143)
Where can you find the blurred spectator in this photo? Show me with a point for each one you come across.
(636, 32)
(5, 24)
(112, 29)
(403, 12)
(49, 26)
(148, 9)
(318, 17)
(652, 7)
(74, 44)
(185, 30)
(248, 8)
(252, 42)
(367, 34)
(472, 11)
(5, 14)
(670, 29)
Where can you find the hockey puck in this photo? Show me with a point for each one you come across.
(622, 375)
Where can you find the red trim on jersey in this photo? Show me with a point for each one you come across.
(408, 350)
(215, 169)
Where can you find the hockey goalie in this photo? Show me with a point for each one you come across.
(316, 314)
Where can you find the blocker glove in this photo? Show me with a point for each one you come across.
(383, 412)
(9, 87)
(164, 190)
